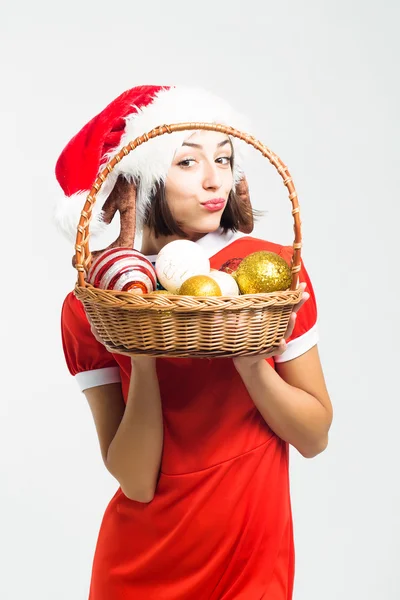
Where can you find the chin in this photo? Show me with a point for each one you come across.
(207, 225)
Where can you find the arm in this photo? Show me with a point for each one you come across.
(131, 436)
(293, 400)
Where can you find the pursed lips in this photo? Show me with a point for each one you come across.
(214, 202)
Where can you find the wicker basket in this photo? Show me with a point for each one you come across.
(187, 326)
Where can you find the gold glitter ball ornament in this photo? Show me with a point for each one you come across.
(200, 285)
(263, 272)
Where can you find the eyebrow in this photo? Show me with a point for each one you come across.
(201, 147)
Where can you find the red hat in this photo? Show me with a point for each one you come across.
(129, 116)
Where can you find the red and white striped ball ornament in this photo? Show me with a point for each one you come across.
(122, 269)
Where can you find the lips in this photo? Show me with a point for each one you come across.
(215, 204)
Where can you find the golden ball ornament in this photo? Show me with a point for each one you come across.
(263, 272)
(200, 285)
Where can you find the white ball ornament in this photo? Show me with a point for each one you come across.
(226, 282)
(178, 261)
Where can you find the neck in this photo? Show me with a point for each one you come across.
(152, 245)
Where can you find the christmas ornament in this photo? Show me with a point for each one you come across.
(178, 261)
(263, 272)
(200, 285)
(122, 269)
(226, 282)
(231, 265)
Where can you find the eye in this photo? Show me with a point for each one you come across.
(186, 162)
(224, 160)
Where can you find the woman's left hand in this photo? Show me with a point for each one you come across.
(249, 361)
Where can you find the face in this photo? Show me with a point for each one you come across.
(199, 181)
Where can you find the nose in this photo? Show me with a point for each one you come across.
(212, 178)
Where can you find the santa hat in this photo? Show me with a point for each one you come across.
(133, 113)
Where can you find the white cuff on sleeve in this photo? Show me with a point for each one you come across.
(300, 345)
(88, 379)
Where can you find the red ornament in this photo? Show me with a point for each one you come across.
(231, 265)
(123, 269)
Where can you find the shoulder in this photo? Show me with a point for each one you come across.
(72, 310)
(86, 358)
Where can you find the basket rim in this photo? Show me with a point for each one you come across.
(82, 251)
(180, 303)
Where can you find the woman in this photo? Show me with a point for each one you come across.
(198, 447)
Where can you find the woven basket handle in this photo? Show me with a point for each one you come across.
(83, 256)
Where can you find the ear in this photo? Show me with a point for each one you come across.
(246, 224)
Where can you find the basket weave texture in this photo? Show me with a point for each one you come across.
(187, 326)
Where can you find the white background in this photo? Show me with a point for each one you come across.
(320, 81)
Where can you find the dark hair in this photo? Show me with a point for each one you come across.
(160, 220)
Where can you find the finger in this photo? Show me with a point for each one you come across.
(302, 285)
(304, 299)
(282, 347)
(292, 323)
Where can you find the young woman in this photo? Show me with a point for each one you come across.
(199, 447)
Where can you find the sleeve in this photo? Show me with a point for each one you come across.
(87, 359)
(305, 333)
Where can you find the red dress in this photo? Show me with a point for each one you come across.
(220, 524)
